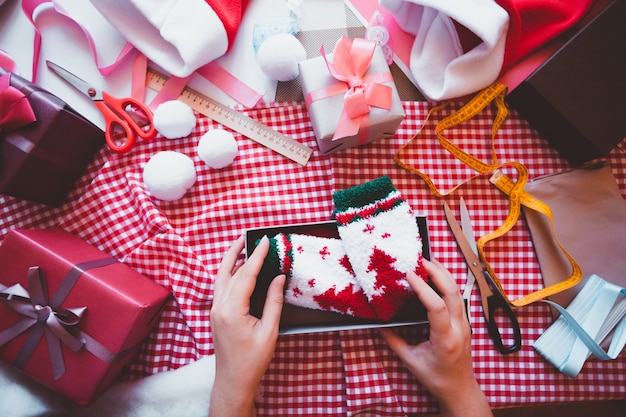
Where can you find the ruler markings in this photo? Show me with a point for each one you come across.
(237, 121)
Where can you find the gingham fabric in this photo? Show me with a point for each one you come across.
(180, 245)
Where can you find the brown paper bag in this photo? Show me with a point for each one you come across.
(589, 221)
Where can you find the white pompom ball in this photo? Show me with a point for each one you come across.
(168, 175)
(217, 148)
(278, 56)
(174, 119)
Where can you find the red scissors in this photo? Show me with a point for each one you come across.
(125, 118)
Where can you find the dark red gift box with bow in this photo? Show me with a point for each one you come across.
(45, 145)
(71, 317)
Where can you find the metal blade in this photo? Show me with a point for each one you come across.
(78, 83)
(466, 224)
(471, 258)
(468, 231)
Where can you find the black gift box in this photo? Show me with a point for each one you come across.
(577, 99)
(296, 319)
(42, 160)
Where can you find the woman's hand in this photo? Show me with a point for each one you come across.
(443, 364)
(244, 345)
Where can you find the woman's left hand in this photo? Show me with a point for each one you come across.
(244, 344)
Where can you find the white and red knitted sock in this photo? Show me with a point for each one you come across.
(319, 275)
(382, 240)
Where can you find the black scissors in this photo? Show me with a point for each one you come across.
(491, 297)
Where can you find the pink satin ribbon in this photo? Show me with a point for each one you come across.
(7, 62)
(171, 90)
(351, 61)
(15, 109)
(29, 7)
(230, 84)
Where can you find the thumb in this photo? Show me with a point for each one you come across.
(274, 300)
(395, 342)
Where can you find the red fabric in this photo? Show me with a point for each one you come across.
(230, 13)
(180, 245)
(534, 23)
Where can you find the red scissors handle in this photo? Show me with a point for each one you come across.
(118, 134)
(142, 122)
(125, 119)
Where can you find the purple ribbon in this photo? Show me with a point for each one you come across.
(44, 315)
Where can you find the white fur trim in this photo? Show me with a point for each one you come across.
(178, 35)
(438, 64)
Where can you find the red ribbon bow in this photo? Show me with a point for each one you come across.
(15, 110)
(36, 309)
(351, 61)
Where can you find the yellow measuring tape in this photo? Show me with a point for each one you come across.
(496, 94)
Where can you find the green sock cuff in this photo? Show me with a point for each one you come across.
(271, 263)
(363, 194)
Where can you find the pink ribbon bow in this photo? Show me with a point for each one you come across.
(351, 61)
(15, 110)
(36, 309)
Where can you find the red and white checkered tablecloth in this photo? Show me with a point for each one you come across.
(180, 245)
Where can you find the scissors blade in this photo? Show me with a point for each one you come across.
(466, 224)
(78, 83)
(471, 258)
(468, 231)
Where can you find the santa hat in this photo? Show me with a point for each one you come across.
(178, 35)
(462, 46)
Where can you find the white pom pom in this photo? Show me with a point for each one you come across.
(278, 56)
(174, 119)
(168, 175)
(217, 148)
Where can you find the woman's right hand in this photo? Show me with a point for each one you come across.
(443, 364)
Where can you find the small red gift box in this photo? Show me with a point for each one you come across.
(41, 159)
(77, 316)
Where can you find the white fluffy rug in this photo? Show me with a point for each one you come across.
(183, 392)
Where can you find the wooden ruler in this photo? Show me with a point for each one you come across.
(235, 120)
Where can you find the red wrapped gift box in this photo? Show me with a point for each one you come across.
(41, 160)
(94, 304)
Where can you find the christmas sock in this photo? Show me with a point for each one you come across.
(381, 238)
(319, 275)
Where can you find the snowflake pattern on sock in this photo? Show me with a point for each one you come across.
(363, 273)
(319, 274)
(380, 235)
